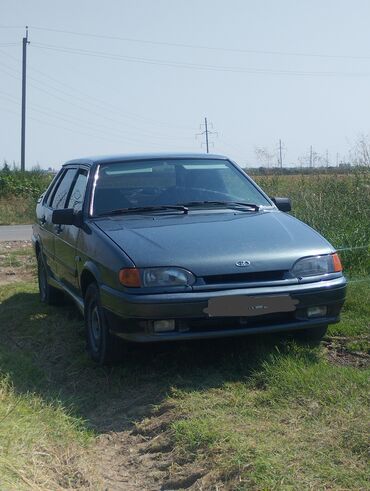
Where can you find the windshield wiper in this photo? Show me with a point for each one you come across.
(226, 204)
(143, 209)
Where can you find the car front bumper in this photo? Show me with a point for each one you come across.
(132, 316)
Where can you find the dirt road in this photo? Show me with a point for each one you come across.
(15, 232)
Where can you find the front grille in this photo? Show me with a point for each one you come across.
(245, 277)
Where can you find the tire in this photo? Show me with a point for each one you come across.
(312, 335)
(48, 294)
(102, 347)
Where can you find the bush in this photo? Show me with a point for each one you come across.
(25, 184)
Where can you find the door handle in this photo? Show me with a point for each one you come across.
(59, 229)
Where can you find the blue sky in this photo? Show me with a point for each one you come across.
(292, 70)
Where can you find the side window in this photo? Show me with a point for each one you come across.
(59, 199)
(54, 183)
(78, 191)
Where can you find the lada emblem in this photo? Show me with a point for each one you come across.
(242, 264)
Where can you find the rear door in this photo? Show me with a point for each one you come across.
(58, 200)
(67, 235)
(45, 227)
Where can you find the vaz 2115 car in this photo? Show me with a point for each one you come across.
(177, 247)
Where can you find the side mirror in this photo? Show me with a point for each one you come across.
(67, 216)
(283, 204)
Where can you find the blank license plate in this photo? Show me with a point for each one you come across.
(248, 306)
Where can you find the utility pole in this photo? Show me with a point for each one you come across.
(311, 161)
(280, 155)
(23, 128)
(206, 133)
(327, 158)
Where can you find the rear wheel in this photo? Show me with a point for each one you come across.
(48, 294)
(102, 347)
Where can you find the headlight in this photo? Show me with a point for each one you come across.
(317, 265)
(151, 277)
(167, 277)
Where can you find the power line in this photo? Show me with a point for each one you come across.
(97, 128)
(101, 104)
(36, 85)
(193, 66)
(204, 47)
(113, 138)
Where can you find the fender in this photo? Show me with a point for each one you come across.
(93, 269)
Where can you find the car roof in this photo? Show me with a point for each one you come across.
(104, 159)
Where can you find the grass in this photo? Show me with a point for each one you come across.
(42, 444)
(292, 418)
(40, 441)
(19, 192)
(256, 414)
(296, 423)
(17, 210)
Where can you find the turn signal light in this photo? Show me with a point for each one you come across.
(337, 264)
(130, 277)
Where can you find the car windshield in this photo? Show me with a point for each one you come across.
(152, 183)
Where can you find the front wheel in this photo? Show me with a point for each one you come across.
(102, 347)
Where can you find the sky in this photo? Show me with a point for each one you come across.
(124, 76)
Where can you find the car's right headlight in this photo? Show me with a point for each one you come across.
(317, 265)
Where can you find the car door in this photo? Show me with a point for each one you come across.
(45, 227)
(67, 235)
(58, 200)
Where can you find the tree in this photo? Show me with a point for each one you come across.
(360, 153)
(6, 167)
(312, 159)
(264, 156)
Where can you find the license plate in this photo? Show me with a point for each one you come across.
(249, 306)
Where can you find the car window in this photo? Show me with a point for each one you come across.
(171, 182)
(61, 194)
(54, 183)
(76, 198)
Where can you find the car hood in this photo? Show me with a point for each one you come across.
(213, 242)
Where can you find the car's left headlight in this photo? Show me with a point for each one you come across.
(166, 277)
(152, 277)
(317, 265)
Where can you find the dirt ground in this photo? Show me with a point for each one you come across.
(143, 459)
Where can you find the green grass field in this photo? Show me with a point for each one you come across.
(254, 414)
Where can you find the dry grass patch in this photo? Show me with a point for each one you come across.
(17, 262)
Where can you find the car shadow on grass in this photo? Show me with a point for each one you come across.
(43, 351)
